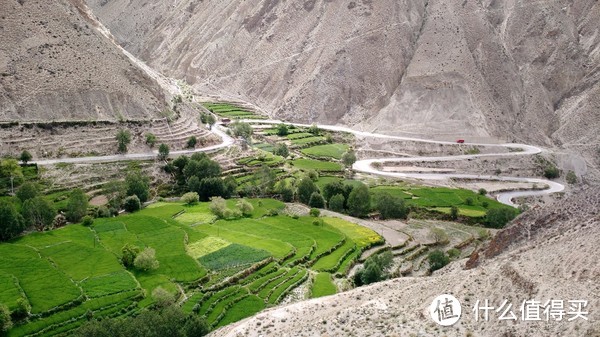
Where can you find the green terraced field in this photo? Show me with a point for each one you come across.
(318, 165)
(334, 151)
(322, 286)
(66, 272)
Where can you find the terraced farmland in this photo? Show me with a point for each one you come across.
(226, 270)
(232, 111)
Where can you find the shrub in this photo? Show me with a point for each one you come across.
(27, 191)
(469, 201)
(11, 222)
(336, 203)
(87, 221)
(316, 200)
(482, 191)
(281, 150)
(22, 310)
(219, 207)
(162, 298)
(349, 158)
(305, 189)
(128, 254)
(190, 198)
(5, 320)
(25, 157)
(359, 201)
(551, 172)
(77, 206)
(375, 269)
(454, 253)
(318, 222)
(454, 212)
(146, 260)
(282, 130)
(38, 212)
(192, 141)
(132, 204)
(437, 260)
(485, 204)
(163, 151)
(123, 139)
(150, 139)
(245, 207)
(315, 212)
(499, 217)
(571, 178)
(391, 207)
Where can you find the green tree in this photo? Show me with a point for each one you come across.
(210, 120)
(437, 260)
(230, 185)
(265, 178)
(146, 260)
(245, 207)
(241, 129)
(571, 178)
(499, 217)
(11, 222)
(218, 206)
(359, 201)
(391, 207)
(12, 173)
(482, 191)
(23, 309)
(138, 185)
(25, 157)
(211, 187)
(132, 204)
(375, 269)
(163, 151)
(77, 206)
(162, 297)
(282, 130)
(27, 191)
(87, 221)
(281, 150)
(336, 203)
(191, 142)
(38, 213)
(123, 139)
(190, 198)
(5, 319)
(201, 167)
(314, 129)
(469, 201)
(151, 139)
(551, 172)
(115, 191)
(349, 158)
(316, 200)
(454, 212)
(306, 188)
(128, 254)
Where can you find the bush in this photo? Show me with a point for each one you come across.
(316, 200)
(77, 206)
(336, 203)
(318, 222)
(454, 212)
(551, 172)
(27, 191)
(315, 212)
(219, 207)
(281, 150)
(128, 254)
(375, 269)
(163, 151)
(282, 130)
(469, 201)
(305, 189)
(571, 178)
(5, 320)
(391, 207)
(359, 201)
(146, 260)
(162, 298)
(192, 141)
(245, 207)
(23, 309)
(482, 191)
(132, 204)
(123, 139)
(499, 217)
(437, 260)
(349, 158)
(25, 157)
(150, 139)
(190, 198)
(485, 204)
(11, 222)
(454, 253)
(87, 221)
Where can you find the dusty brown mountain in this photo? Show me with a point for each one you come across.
(517, 70)
(55, 66)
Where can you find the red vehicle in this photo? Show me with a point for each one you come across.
(460, 141)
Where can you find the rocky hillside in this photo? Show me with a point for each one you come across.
(517, 70)
(549, 253)
(56, 66)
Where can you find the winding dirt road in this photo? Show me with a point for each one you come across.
(366, 165)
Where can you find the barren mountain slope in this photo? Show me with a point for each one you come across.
(525, 70)
(55, 66)
(550, 253)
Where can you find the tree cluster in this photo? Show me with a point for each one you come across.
(375, 269)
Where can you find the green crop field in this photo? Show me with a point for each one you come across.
(326, 151)
(322, 286)
(308, 141)
(318, 165)
(67, 272)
